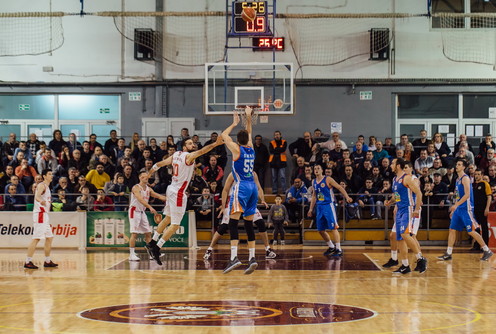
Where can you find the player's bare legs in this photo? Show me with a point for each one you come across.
(393, 261)
(48, 246)
(32, 247)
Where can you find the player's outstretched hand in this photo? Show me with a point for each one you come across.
(152, 210)
(235, 118)
(248, 111)
(265, 204)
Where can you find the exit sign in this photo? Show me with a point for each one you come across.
(366, 95)
(134, 96)
(24, 107)
(104, 110)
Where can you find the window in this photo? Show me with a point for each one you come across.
(477, 106)
(463, 6)
(427, 106)
(85, 107)
(34, 107)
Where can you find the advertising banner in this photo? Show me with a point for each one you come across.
(16, 229)
(111, 229)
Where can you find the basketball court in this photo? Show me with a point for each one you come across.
(300, 291)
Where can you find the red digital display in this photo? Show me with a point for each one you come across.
(268, 44)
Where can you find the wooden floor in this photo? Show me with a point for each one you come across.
(298, 292)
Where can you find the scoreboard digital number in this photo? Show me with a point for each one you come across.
(259, 26)
(268, 43)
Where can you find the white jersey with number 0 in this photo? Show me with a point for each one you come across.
(145, 194)
(182, 172)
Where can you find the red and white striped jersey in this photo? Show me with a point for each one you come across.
(145, 194)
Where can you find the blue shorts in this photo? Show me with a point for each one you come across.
(326, 217)
(463, 218)
(403, 219)
(244, 198)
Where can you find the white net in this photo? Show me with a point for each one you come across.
(189, 40)
(342, 40)
(469, 37)
(20, 36)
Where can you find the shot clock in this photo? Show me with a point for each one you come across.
(257, 27)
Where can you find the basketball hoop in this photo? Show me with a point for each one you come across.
(254, 115)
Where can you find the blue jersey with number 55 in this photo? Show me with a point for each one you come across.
(242, 169)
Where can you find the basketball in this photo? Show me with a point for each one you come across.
(248, 14)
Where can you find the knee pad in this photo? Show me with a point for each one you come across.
(223, 229)
(233, 229)
(261, 226)
(250, 231)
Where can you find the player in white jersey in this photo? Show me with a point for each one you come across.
(257, 219)
(41, 225)
(183, 166)
(414, 225)
(138, 221)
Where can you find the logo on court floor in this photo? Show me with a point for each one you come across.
(228, 313)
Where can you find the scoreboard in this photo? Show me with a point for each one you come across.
(257, 27)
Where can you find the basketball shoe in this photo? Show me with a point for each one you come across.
(445, 257)
(30, 265)
(208, 254)
(403, 270)
(329, 251)
(252, 265)
(390, 263)
(50, 264)
(233, 264)
(270, 254)
(486, 255)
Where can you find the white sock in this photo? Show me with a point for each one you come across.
(330, 244)
(210, 248)
(267, 248)
(418, 255)
(234, 252)
(394, 255)
(485, 248)
(47, 259)
(161, 242)
(338, 245)
(131, 251)
(405, 262)
(29, 259)
(251, 251)
(449, 250)
(156, 235)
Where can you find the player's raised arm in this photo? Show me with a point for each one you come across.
(249, 114)
(330, 182)
(160, 164)
(137, 194)
(231, 145)
(414, 187)
(193, 155)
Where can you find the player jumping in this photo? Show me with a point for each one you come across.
(183, 166)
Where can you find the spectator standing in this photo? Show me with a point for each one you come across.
(261, 159)
(8, 149)
(420, 143)
(486, 145)
(278, 217)
(119, 192)
(277, 160)
(33, 145)
(219, 151)
(93, 143)
(73, 143)
(482, 202)
(111, 143)
(302, 147)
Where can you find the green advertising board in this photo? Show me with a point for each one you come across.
(111, 229)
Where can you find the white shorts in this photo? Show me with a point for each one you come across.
(138, 222)
(257, 216)
(41, 226)
(175, 207)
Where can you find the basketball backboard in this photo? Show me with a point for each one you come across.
(229, 86)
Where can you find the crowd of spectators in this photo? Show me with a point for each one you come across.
(94, 176)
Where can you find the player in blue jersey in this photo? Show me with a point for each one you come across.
(326, 218)
(408, 199)
(245, 193)
(462, 213)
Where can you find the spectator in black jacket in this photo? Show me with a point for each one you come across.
(219, 152)
(302, 147)
(486, 145)
(261, 159)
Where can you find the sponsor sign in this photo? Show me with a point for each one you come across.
(228, 313)
(112, 229)
(16, 229)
